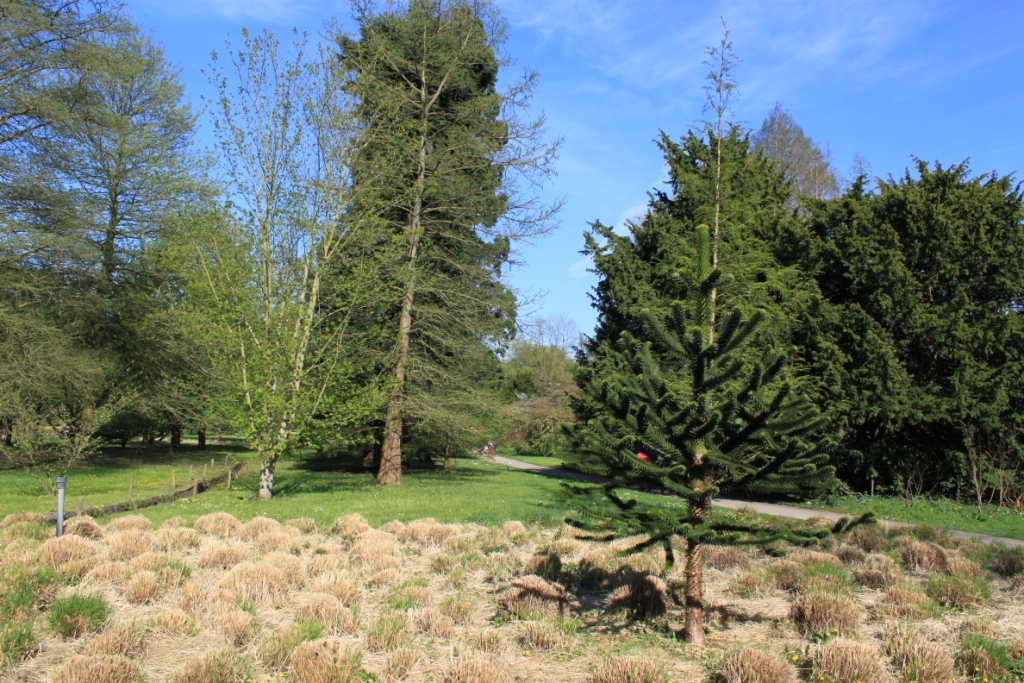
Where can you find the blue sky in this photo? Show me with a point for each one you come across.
(893, 79)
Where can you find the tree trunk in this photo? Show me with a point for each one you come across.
(267, 479)
(201, 438)
(175, 436)
(7, 430)
(694, 629)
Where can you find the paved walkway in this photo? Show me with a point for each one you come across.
(764, 508)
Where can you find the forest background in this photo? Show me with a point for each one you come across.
(314, 282)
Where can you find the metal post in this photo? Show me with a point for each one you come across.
(62, 483)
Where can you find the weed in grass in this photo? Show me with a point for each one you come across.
(387, 632)
(219, 524)
(326, 661)
(472, 668)
(83, 526)
(75, 615)
(96, 669)
(533, 596)
(755, 666)
(218, 666)
(956, 590)
(277, 646)
(628, 669)
(849, 661)
(399, 664)
(17, 641)
(328, 610)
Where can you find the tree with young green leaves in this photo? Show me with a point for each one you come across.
(809, 168)
(447, 160)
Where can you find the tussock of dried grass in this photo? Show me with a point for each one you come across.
(546, 565)
(980, 665)
(755, 584)
(803, 556)
(238, 626)
(961, 565)
(174, 621)
(849, 661)
(327, 610)
(725, 557)
(83, 526)
(822, 612)
(127, 640)
(326, 661)
(754, 666)
(376, 550)
(385, 577)
(350, 526)
(628, 669)
(129, 522)
(514, 529)
(871, 539)
(142, 588)
(427, 532)
(399, 664)
(124, 545)
(218, 524)
(471, 668)
(293, 568)
(173, 523)
(96, 669)
(261, 583)
(306, 525)
(902, 600)
(152, 561)
(460, 608)
(642, 595)
(340, 587)
(491, 642)
(257, 526)
(539, 635)
(177, 538)
(433, 623)
(386, 633)
(217, 666)
(113, 573)
(20, 517)
(217, 554)
(785, 574)
(58, 551)
(532, 595)
(849, 554)
(923, 556)
(285, 538)
(917, 659)
(393, 527)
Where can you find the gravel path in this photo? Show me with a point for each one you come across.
(764, 508)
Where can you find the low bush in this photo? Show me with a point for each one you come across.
(77, 614)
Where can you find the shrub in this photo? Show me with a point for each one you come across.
(124, 545)
(755, 666)
(848, 661)
(399, 664)
(218, 524)
(75, 615)
(326, 661)
(143, 588)
(433, 623)
(818, 614)
(918, 660)
(386, 633)
(1008, 561)
(642, 595)
(328, 610)
(218, 666)
(68, 548)
(539, 635)
(260, 583)
(957, 590)
(471, 668)
(628, 669)
(83, 526)
(726, 557)
(922, 556)
(129, 522)
(533, 596)
(96, 669)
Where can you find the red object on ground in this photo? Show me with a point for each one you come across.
(644, 457)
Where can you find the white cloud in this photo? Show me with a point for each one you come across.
(579, 270)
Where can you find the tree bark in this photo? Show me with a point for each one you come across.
(266, 479)
(201, 438)
(693, 630)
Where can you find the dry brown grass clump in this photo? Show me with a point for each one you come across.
(726, 557)
(340, 587)
(284, 538)
(217, 554)
(628, 669)
(350, 526)
(83, 526)
(803, 556)
(870, 539)
(924, 556)
(20, 517)
(325, 562)
(460, 608)
(903, 600)
(545, 564)
(387, 632)
(219, 524)
(326, 661)
(428, 532)
(173, 523)
(293, 568)
(328, 610)
(472, 668)
(96, 669)
(216, 666)
(177, 538)
(385, 577)
(514, 529)
(175, 622)
(433, 623)
(849, 661)
(755, 666)
(533, 596)
(642, 595)
(127, 640)
(539, 635)
(113, 573)
(491, 642)
(129, 522)
(399, 664)
(306, 525)
(152, 561)
(393, 527)
(238, 626)
(823, 613)
(124, 545)
(257, 526)
(918, 659)
(785, 574)
(850, 554)
(375, 549)
(142, 588)
(980, 665)
(964, 567)
(756, 584)
(260, 583)
(59, 551)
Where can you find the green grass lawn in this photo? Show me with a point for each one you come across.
(103, 479)
(938, 512)
(554, 462)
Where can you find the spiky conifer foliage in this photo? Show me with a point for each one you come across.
(685, 392)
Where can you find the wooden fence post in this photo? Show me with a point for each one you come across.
(174, 485)
(191, 473)
(131, 490)
(229, 478)
(204, 471)
(195, 488)
(81, 505)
